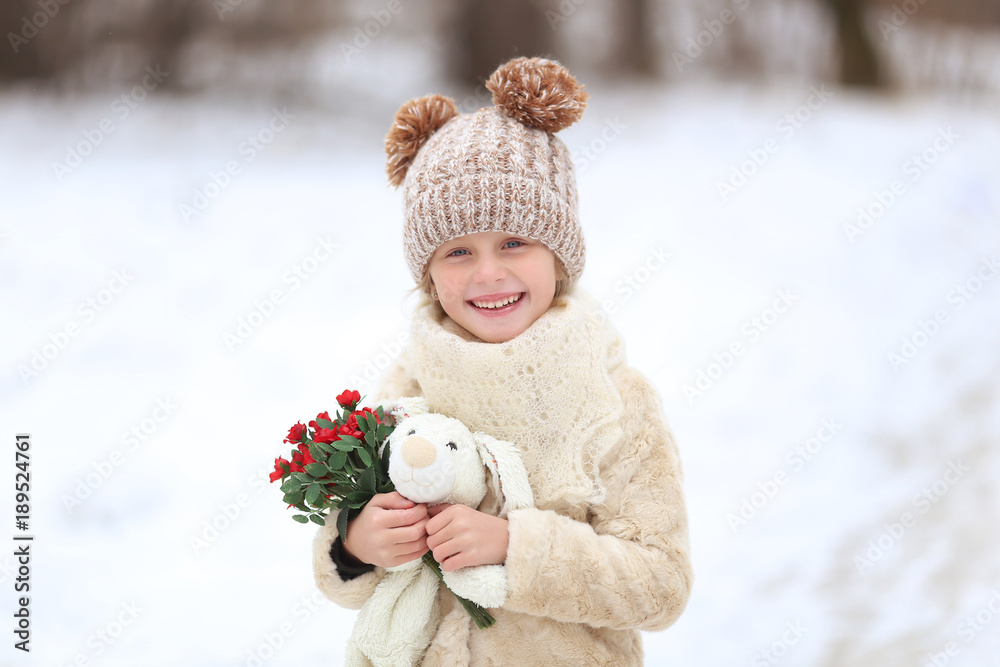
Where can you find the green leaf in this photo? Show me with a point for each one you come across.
(337, 460)
(317, 469)
(366, 457)
(387, 487)
(326, 447)
(367, 481)
(317, 519)
(371, 421)
(317, 452)
(325, 423)
(301, 518)
(302, 477)
(290, 485)
(313, 493)
(342, 519)
(385, 456)
(351, 440)
(358, 497)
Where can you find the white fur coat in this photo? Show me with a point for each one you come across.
(604, 554)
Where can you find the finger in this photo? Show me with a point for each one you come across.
(444, 551)
(392, 501)
(406, 558)
(434, 510)
(407, 517)
(408, 534)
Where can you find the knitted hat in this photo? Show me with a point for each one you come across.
(498, 169)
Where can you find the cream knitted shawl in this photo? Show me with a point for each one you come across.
(548, 391)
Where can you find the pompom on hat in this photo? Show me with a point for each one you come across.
(498, 169)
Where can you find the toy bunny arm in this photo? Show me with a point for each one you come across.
(628, 567)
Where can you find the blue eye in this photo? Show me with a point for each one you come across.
(507, 244)
(453, 253)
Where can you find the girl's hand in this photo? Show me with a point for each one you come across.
(389, 531)
(460, 536)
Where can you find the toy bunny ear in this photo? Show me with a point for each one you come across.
(413, 125)
(509, 480)
(539, 93)
(406, 407)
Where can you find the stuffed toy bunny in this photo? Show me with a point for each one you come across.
(435, 459)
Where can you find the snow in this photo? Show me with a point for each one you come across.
(288, 243)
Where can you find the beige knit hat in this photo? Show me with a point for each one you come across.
(497, 169)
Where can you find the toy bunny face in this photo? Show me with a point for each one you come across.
(435, 459)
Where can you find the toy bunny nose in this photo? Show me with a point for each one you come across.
(418, 452)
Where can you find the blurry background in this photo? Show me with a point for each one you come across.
(791, 209)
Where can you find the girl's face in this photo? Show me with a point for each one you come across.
(494, 284)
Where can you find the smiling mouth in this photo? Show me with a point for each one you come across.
(498, 303)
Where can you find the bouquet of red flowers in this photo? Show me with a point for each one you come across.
(337, 464)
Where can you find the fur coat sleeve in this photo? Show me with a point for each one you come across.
(625, 564)
(353, 593)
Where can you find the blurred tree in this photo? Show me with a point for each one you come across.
(489, 32)
(859, 61)
(22, 57)
(636, 38)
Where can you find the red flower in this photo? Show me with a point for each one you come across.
(324, 415)
(345, 429)
(326, 435)
(295, 433)
(349, 398)
(278, 470)
(306, 454)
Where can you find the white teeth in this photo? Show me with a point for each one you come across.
(498, 304)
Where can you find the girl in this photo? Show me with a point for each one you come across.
(504, 341)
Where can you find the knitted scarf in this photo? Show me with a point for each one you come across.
(547, 390)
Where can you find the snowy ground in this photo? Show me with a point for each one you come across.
(829, 525)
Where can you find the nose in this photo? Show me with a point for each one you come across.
(418, 452)
(490, 269)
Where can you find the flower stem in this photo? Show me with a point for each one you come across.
(482, 617)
